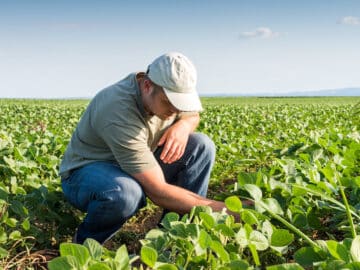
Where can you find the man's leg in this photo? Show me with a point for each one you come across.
(192, 170)
(107, 194)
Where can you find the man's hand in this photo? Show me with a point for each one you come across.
(175, 138)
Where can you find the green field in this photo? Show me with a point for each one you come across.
(298, 159)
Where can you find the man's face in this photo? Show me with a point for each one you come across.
(158, 104)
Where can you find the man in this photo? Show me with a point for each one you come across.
(136, 139)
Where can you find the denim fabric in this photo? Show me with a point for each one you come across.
(110, 196)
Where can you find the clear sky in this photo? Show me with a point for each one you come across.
(66, 48)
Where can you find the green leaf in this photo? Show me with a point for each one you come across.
(258, 240)
(254, 254)
(299, 220)
(254, 191)
(25, 224)
(64, 263)
(224, 230)
(306, 256)
(15, 235)
(154, 233)
(338, 251)
(11, 222)
(3, 235)
(166, 266)
(192, 230)
(219, 250)
(122, 257)
(285, 266)
(238, 265)
(207, 220)
(99, 266)
(169, 217)
(204, 239)
(313, 219)
(148, 255)
(249, 217)
(76, 250)
(246, 178)
(3, 253)
(273, 206)
(178, 229)
(241, 238)
(95, 249)
(19, 208)
(281, 238)
(352, 266)
(355, 249)
(234, 204)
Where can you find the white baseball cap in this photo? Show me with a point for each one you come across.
(175, 73)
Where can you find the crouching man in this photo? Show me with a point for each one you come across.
(136, 139)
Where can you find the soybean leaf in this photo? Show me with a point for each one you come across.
(258, 240)
(68, 262)
(148, 255)
(254, 254)
(95, 249)
(355, 249)
(238, 265)
(178, 229)
(154, 233)
(225, 230)
(99, 266)
(254, 191)
(249, 217)
(306, 256)
(204, 239)
(122, 257)
(338, 251)
(207, 220)
(220, 251)
(246, 178)
(273, 206)
(281, 238)
(3, 253)
(166, 266)
(76, 250)
(285, 266)
(169, 217)
(234, 204)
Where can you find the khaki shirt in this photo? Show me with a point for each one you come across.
(116, 128)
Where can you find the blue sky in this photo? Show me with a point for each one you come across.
(52, 49)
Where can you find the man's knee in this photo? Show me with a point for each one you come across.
(125, 200)
(203, 144)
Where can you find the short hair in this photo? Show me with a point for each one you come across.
(157, 88)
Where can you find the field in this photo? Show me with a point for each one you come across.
(297, 159)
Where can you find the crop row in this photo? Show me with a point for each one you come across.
(299, 163)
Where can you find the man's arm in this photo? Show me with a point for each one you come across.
(171, 197)
(175, 137)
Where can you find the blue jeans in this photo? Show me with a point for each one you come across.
(110, 196)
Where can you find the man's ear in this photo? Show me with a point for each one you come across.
(147, 86)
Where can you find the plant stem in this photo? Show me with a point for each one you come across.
(288, 225)
(347, 207)
(332, 200)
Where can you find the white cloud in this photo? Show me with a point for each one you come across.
(260, 32)
(351, 20)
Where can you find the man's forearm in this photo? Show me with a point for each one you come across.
(191, 120)
(180, 200)
(171, 197)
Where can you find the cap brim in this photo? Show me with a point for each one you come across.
(186, 102)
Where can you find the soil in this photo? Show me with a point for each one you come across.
(130, 234)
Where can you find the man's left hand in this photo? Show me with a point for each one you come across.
(174, 140)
